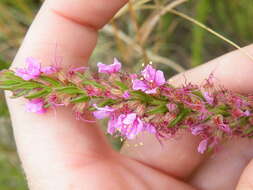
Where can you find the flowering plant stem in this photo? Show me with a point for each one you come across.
(135, 102)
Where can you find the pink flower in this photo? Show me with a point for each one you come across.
(150, 128)
(236, 112)
(133, 76)
(219, 121)
(208, 98)
(32, 71)
(202, 146)
(111, 127)
(126, 95)
(225, 127)
(36, 106)
(109, 69)
(171, 107)
(197, 129)
(103, 112)
(152, 75)
(129, 125)
(246, 113)
(153, 79)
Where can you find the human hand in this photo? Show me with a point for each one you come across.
(59, 152)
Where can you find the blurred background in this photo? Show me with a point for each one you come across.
(144, 30)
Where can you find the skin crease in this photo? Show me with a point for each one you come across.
(58, 152)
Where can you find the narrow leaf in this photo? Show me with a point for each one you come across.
(70, 90)
(121, 85)
(158, 109)
(142, 96)
(184, 112)
(103, 104)
(80, 99)
(249, 130)
(93, 83)
(39, 94)
(50, 80)
(20, 93)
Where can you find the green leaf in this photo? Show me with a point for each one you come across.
(39, 94)
(20, 85)
(199, 94)
(142, 96)
(249, 130)
(93, 83)
(8, 74)
(183, 113)
(155, 101)
(103, 104)
(121, 85)
(107, 102)
(222, 110)
(19, 94)
(9, 82)
(27, 85)
(80, 99)
(50, 80)
(5, 87)
(158, 109)
(70, 90)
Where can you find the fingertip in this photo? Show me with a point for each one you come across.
(232, 70)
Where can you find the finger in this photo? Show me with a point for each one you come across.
(71, 25)
(51, 144)
(228, 162)
(246, 180)
(180, 157)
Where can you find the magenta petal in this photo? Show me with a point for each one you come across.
(225, 128)
(129, 119)
(116, 65)
(102, 113)
(202, 146)
(36, 106)
(23, 74)
(208, 98)
(149, 73)
(136, 129)
(109, 69)
(246, 113)
(139, 85)
(126, 95)
(196, 130)
(171, 107)
(120, 120)
(32, 71)
(139, 126)
(151, 91)
(150, 128)
(102, 68)
(111, 128)
(159, 78)
(133, 76)
(33, 67)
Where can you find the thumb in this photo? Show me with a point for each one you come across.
(246, 180)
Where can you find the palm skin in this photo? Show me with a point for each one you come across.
(58, 152)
